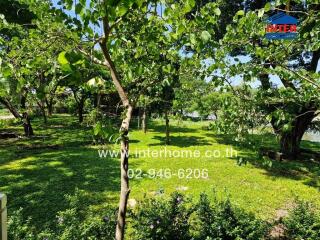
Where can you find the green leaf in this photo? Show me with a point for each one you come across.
(240, 13)
(189, 5)
(205, 36)
(192, 3)
(286, 127)
(97, 129)
(62, 59)
(78, 8)
(139, 2)
(193, 39)
(267, 7)
(260, 13)
(6, 72)
(217, 11)
(122, 10)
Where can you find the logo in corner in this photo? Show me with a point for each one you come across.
(281, 26)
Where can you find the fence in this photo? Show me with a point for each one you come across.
(3, 217)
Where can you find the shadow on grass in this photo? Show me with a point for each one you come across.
(37, 173)
(181, 141)
(161, 128)
(304, 168)
(39, 184)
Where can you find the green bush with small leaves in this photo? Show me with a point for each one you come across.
(178, 218)
(71, 224)
(159, 218)
(303, 222)
(222, 220)
(168, 218)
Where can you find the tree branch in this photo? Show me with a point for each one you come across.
(288, 11)
(301, 76)
(94, 59)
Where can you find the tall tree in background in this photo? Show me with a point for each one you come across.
(15, 22)
(294, 103)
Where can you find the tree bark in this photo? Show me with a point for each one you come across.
(44, 115)
(28, 131)
(290, 141)
(49, 106)
(167, 127)
(144, 120)
(98, 101)
(80, 110)
(10, 107)
(43, 111)
(80, 104)
(124, 161)
(139, 117)
(124, 130)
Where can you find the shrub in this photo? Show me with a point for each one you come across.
(19, 228)
(71, 224)
(303, 222)
(159, 218)
(177, 218)
(156, 218)
(224, 221)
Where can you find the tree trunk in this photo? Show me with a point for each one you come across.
(10, 107)
(290, 145)
(41, 105)
(28, 131)
(139, 118)
(80, 110)
(124, 130)
(49, 106)
(125, 190)
(167, 127)
(290, 140)
(44, 115)
(98, 101)
(144, 120)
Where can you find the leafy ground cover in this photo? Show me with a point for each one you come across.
(37, 173)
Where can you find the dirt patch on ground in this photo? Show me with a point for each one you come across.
(278, 231)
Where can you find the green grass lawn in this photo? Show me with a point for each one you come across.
(37, 173)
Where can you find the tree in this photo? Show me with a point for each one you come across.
(293, 104)
(79, 70)
(127, 45)
(115, 18)
(13, 95)
(29, 64)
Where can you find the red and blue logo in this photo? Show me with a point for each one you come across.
(281, 26)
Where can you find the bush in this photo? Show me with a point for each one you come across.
(303, 222)
(168, 218)
(177, 218)
(157, 218)
(71, 224)
(224, 221)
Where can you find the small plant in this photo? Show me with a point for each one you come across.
(222, 220)
(159, 218)
(178, 218)
(19, 228)
(303, 222)
(168, 218)
(75, 223)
